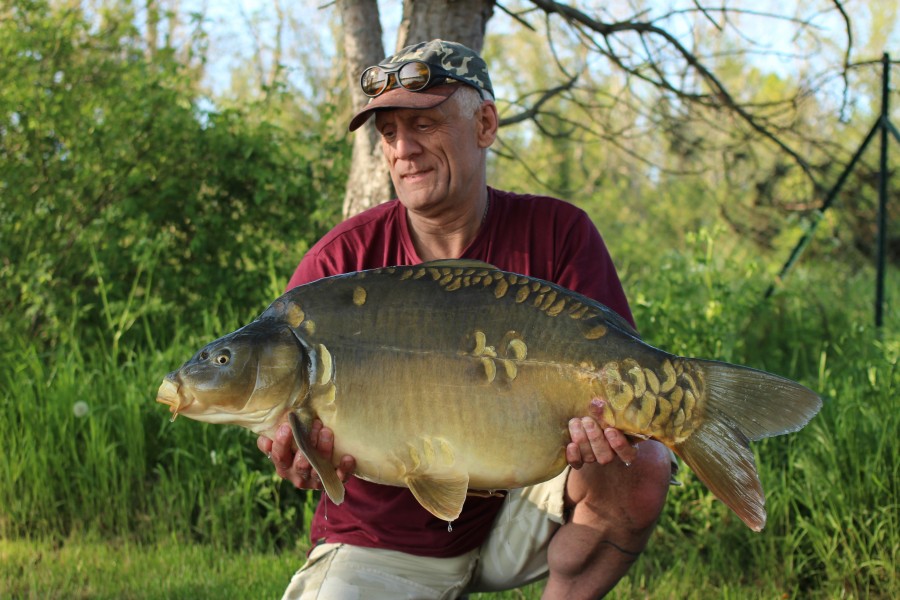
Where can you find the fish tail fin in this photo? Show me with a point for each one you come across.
(333, 485)
(742, 405)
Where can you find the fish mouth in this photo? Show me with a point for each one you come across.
(170, 394)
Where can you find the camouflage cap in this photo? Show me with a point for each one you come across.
(464, 64)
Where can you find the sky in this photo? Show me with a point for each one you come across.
(229, 23)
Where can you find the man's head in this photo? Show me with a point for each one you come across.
(422, 76)
(435, 130)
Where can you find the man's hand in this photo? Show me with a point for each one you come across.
(293, 466)
(593, 441)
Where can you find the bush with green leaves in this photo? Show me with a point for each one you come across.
(121, 194)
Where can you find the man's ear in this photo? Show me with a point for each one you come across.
(488, 121)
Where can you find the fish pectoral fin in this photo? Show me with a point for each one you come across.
(333, 485)
(441, 495)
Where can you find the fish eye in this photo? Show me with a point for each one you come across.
(222, 358)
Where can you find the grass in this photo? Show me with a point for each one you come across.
(117, 502)
(120, 569)
(86, 568)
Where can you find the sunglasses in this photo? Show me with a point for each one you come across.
(413, 75)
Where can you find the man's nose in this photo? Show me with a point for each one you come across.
(406, 144)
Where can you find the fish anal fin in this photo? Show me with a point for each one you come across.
(333, 485)
(720, 456)
(441, 495)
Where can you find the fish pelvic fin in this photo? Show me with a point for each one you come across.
(743, 405)
(333, 485)
(441, 495)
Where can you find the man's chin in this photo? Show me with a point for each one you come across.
(418, 198)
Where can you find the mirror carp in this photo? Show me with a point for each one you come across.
(453, 376)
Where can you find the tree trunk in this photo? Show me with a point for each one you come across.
(461, 21)
(369, 182)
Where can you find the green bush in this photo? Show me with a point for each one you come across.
(121, 194)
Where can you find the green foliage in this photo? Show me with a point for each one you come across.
(122, 194)
(832, 488)
(88, 567)
(110, 462)
(129, 212)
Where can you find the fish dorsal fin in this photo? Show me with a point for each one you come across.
(460, 263)
(614, 318)
(334, 487)
(606, 313)
(441, 495)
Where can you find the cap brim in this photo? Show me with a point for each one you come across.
(402, 98)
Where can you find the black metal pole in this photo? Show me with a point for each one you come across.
(882, 195)
(817, 216)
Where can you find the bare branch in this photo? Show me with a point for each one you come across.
(706, 13)
(849, 30)
(719, 94)
(535, 108)
(515, 17)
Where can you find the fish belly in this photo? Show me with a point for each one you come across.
(433, 380)
(413, 414)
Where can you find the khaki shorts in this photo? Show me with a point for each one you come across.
(514, 555)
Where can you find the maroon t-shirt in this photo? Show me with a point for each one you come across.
(532, 235)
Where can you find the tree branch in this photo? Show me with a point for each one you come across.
(535, 108)
(719, 94)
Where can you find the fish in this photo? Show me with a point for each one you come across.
(454, 377)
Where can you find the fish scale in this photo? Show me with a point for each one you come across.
(453, 376)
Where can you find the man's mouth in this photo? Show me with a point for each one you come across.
(414, 175)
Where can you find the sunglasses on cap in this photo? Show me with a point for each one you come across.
(413, 75)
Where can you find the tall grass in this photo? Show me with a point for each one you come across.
(86, 448)
(832, 488)
(88, 567)
(120, 470)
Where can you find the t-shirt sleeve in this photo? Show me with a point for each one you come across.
(585, 266)
(314, 265)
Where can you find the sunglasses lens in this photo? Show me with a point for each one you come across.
(414, 76)
(373, 81)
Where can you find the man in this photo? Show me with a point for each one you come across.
(433, 107)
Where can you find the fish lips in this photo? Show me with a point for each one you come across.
(171, 393)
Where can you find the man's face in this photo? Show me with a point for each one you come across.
(435, 155)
